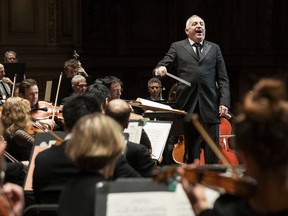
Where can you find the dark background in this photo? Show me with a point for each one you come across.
(126, 38)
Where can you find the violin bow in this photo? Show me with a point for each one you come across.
(209, 141)
(10, 157)
(39, 126)
(14, 84)
(57, 94)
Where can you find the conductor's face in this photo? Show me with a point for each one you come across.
(195, 29)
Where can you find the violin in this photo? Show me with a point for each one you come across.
(240, 186)
(46, 110)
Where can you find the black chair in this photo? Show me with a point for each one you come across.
(41, 210)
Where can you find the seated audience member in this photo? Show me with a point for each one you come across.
(155, 89)
(261, 135)
(28, 89)
(114, 85)
(17, 132)
(137, 155)
(79, 86)
(95, 146)
(10, 57)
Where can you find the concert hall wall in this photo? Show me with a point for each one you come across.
(127, 38)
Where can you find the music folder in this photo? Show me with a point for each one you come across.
(138, 197)
(42, 141)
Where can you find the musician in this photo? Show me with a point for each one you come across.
(79, 86)
(10, 57)
(101, 94)
(114, 85)
(73, 67)
(155, 89)
(95, 146)
(17, 131)
(204, 71)
(47, 183)
(137, 155)
(12, 192)
(28, 89)
(5, 85)
(261, 131)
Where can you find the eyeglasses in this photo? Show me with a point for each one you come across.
(117, 90)
(81, 85)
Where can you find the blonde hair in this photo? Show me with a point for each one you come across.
(96, 141)
(15, 114)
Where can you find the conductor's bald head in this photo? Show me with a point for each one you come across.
(119, 110)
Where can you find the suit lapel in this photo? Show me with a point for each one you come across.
(207, 46)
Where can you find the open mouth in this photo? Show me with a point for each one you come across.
(198, 30)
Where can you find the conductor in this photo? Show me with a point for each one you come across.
(199, 62)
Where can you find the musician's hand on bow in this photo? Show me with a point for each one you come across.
(223, 110)
(195, 192)
(48, 122)
(7, 80)
(161, 71)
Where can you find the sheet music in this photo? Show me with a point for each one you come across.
(134, 131)
(157, 203)
(158, 134)
(153, 104)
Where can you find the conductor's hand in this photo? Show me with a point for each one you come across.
(161, 71)
(223, 110)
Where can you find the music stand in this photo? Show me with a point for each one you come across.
(42, 141)
(15, 68)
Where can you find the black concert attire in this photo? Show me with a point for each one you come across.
(139, 158)
(19, 146)
(209, 88)
(53, 170)
(5, 90)
(78, 197)
(235, 206)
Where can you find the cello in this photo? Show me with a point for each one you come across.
(225, 130)
(225, 133)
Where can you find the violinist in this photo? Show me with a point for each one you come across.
(5, 85)
(16, 121)
(12, 193)
(261, 135)
(28, 89)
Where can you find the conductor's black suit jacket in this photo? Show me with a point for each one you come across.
(208, 78)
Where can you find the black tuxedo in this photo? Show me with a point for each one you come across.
(139, 158)
(209, 88)
(53, 170)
